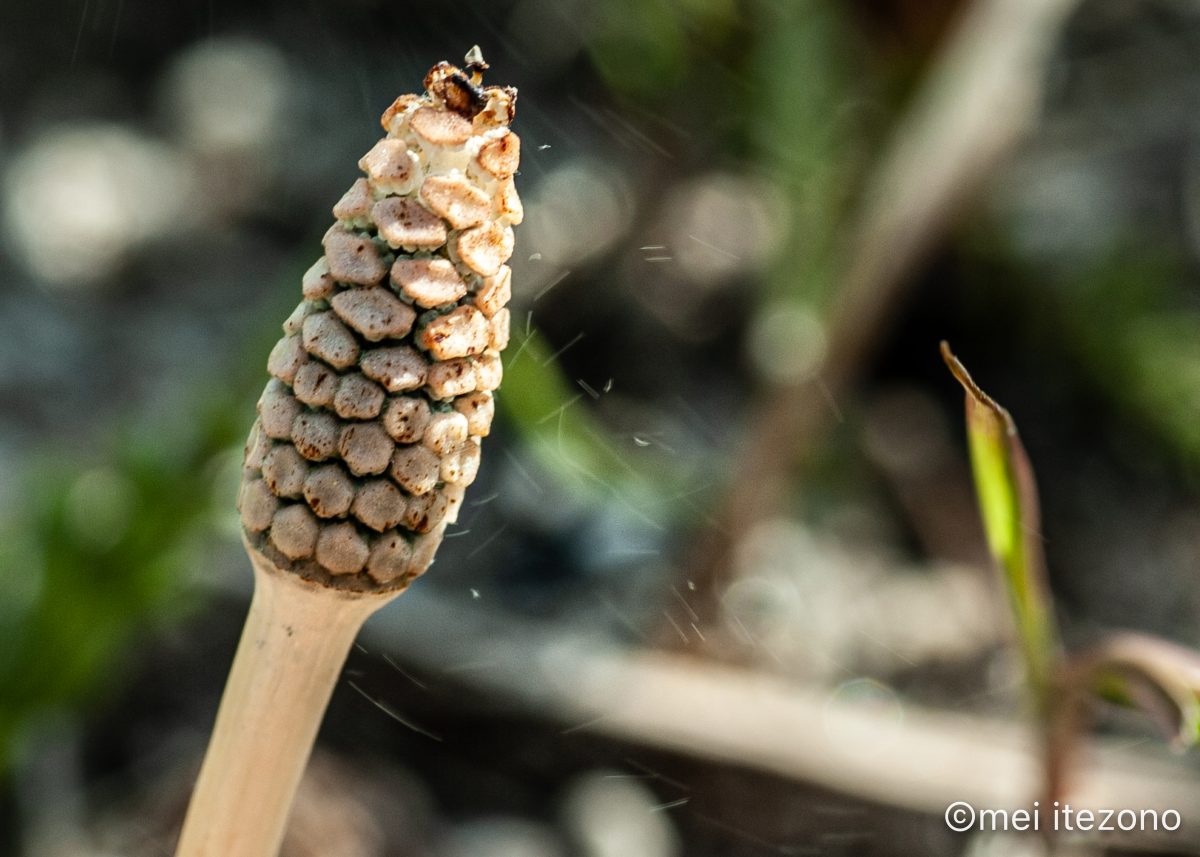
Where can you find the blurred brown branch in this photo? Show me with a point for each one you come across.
(980, 97)
(920, 761)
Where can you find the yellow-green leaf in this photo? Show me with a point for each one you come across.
(1008, 504)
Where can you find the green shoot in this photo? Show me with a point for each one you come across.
(1008, 504)
(1134, 670)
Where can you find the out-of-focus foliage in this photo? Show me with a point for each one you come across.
(647, 50)
(807, 124)
(96, 557)
(553, 421)
(1137, 334)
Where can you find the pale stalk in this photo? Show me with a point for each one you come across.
(368, 433)
(293, 646)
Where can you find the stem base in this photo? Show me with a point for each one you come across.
(294, 644)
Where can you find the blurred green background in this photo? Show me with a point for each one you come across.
(725, 427)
